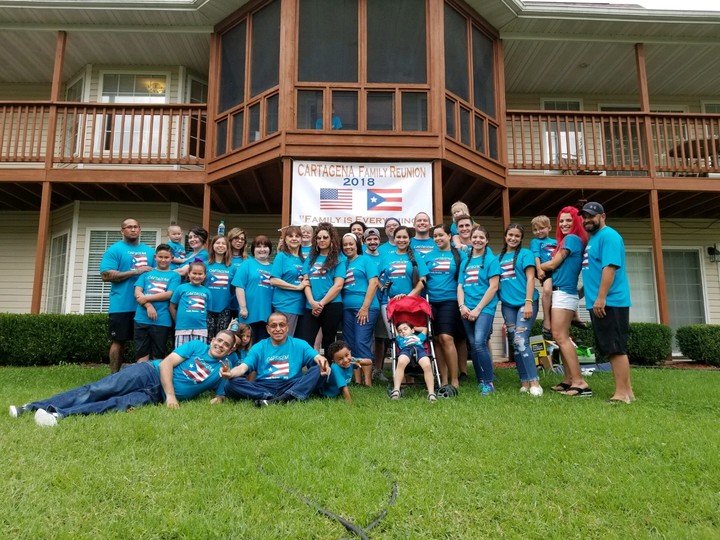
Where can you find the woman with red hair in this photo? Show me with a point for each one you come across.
(566, 263)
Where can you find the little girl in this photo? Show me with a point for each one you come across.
(519, 303)
(219, 276)
(189, 306)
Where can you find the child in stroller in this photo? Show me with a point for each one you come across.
(411, 344)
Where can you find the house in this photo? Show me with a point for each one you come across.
(191, 112)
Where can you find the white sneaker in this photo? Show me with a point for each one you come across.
(16, 410)
(536, 391)
(524, 389)
(46, 419)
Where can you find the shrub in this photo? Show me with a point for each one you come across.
(648, 343)
(48, 339)
(700, 342)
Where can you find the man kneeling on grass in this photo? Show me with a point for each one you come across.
(278, 362)
(184, 374)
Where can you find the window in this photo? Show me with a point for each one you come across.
(456, 54)
(198, 123)
(684, 284)
(57, 274)
(134, 134)
(97, 292)
(641, 275)
(232, 67)
(265, 61)
(565, 141)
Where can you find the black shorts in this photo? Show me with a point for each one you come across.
(548, 275)
(446, 319)
(612, 331)
(121, 326)
(151, 340)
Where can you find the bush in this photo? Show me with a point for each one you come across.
(48, 339)
(648, 344)
(700, 342)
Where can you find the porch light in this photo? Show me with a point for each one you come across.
(155, 87)
(714, 254)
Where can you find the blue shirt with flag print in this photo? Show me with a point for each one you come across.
(357, 277)
(606, 248)
(543, 248)
(339, 378)
(193, 303)
(157, 282)
(198, 371)
(424, 246)
(254, 278)
(565, 276)
(443, 274)
(513, 280)
(178, 252)
(124, 257)
(218, 281)
(475, 277)
(282, 362)
(289, 268)
(398, 269)
(321, 279)
(201, 255)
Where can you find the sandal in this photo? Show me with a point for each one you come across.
(432, 398)
(578, 392)
(561, 387)
(579, 324)
(547, 334)
(395, 395)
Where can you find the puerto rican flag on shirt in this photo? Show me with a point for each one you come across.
(279, 369)
(197, 373)
(157, 287)
(264, 278)
(316, 271)
(196, 303)
(440, 266)
(139, 260)
(397, 269)
(471, 276)
(350, 276)
(585, 260)
(508, 269)
(218, 279)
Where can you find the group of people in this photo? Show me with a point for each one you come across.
(320, 282)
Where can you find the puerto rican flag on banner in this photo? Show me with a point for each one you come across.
(196, 303)
(384, 200)
(197, 373)
(157, 287)
(341, 192)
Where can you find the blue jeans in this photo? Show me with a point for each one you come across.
(518, 331)
(133, 386)
(478, 333)
(300, 387)
(359, 337)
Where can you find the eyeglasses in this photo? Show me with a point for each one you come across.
(277, 325)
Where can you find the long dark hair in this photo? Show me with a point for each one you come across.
(411, 255)
(505, 245)
(487, 237)
(331, 261)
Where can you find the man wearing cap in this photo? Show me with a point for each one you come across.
(607, 296)
(372, 242)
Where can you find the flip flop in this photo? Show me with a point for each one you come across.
(579, 392)
(561, 387)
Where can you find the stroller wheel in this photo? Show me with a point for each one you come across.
(447, 391)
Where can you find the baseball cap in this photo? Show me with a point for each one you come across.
(372, 231)
(592, 209)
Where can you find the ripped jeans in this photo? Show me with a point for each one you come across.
(518, 332)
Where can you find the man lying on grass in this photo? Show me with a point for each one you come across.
(184, 374)
(278, 362)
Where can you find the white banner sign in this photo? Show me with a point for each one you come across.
(341, 193)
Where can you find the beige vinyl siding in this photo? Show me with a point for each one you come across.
(25, 91)
(18, 237)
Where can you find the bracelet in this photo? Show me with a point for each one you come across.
(528, 299)
(461, 306)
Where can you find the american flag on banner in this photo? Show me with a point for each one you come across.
(336, 199)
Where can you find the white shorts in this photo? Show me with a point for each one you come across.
(563, 300)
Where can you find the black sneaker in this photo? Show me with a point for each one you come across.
(16, 410)
(261, 403)
(463, 377)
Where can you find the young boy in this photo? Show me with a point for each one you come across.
(411, 343)
(542, 247)
(153, 291)
(175, 236)
(342, 365)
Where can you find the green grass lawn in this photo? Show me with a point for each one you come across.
(507, 465)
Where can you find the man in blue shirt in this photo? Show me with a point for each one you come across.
(121, 265)
(607, 296)
(278, 362)
(184, 374)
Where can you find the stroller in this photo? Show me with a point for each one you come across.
(416, 311)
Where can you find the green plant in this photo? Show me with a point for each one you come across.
(649, 343)
(700, 342)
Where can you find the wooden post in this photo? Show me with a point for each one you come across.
(645, 106)
(437, 194)
(658, 257)
(40, 247)
(286, 192)
(505, 207)
(207, 206)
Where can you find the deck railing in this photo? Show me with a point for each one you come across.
(613, 143)
(103, 133)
